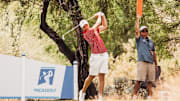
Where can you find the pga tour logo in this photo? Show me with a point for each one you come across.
(45, 82)
(46, 76)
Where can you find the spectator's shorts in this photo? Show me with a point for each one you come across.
(98, 63)
(145, 71)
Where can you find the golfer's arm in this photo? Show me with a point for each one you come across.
(104, 24)
(98, 23)
(137, 28)
(155, 58)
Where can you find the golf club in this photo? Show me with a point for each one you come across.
(74, 28)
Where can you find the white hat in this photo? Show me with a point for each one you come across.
(82, 23)
(142, 28)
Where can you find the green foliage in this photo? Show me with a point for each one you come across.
(121, 15)
(161, 16)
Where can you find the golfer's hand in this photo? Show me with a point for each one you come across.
(101, 13)
(98, 14)
(138, 16)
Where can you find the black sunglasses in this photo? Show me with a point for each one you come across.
(144, 31)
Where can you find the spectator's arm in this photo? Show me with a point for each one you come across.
(137, 27)
(155, 60)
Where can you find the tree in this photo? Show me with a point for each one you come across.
(57, 16)
(81, 54)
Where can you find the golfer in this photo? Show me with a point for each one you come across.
(147, 62)
(99, 56)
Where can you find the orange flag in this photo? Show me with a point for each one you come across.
(139, 7)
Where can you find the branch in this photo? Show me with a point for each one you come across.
(171, 39)
(53, 35)
(63, 4)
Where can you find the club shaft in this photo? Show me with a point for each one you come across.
(75, 27)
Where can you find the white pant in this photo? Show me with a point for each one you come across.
(98, 63)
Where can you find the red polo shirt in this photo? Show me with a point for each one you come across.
(95, 41)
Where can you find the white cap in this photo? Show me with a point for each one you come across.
(82, 23)
(142, 28)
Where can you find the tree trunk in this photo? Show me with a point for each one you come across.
(81, 54)
(82, 51)
(53, 35)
